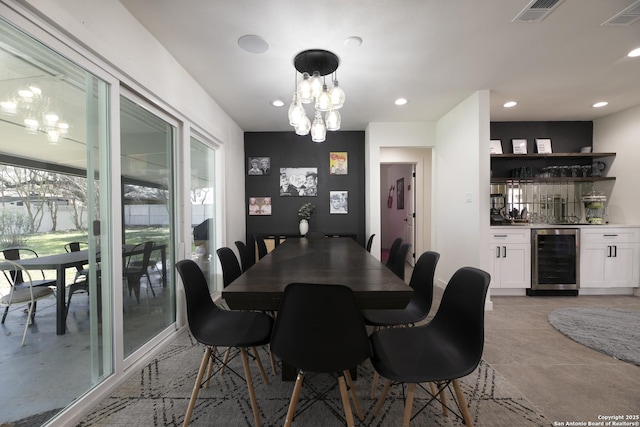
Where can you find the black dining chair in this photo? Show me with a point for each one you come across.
(370, 243)
(247, 258)
(262, 246)
(418, 307)
(315, 235)
(400, 260)
(215, 327)
(393, 250)
(319, 328)
(230, 266)
(442, 351)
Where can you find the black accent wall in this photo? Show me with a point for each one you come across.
(287, 150)
(566, 137)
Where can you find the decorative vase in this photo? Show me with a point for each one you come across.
(304, 227)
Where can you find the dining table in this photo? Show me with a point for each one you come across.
(58, 262)
(61, 261)
(328, 260)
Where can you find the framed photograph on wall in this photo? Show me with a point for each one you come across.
(495, 146)
(338, 163)
(338, 202)
(543, 146)
(299, 182)
(400, 194)
(519, 146)
(259, 205)
(259, 165)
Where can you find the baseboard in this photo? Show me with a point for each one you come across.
(552, 293)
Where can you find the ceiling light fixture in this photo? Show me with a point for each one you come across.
(314, 65)
(510, 104)
(401, 101)
(277, 103)
(600, 104)
(28, 106)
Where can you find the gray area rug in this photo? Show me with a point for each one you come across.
(612, 331)
(159, 394)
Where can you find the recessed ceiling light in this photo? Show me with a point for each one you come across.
(600, 104)
(353, 41)
(510, 104)
(634, 53)
(277, 103)
(253, 44)
(401, 101)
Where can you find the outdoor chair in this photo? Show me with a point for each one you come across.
(137, 266)
(21, 292)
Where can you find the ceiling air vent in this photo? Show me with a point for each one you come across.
(537, 10)
(627, 17)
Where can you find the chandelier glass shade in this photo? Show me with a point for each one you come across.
(314, 65)
(36, 112)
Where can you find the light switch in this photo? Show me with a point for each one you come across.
(468, 197)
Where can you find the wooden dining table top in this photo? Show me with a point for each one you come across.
(331, 260)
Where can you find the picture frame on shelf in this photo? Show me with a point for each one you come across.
(519, 146)
(495, 146)
(543, 145)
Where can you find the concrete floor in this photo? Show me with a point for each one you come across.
(565, 380)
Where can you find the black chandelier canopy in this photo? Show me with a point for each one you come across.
(322, 61)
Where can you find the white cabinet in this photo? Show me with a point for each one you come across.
(609, 257)
(510, 252)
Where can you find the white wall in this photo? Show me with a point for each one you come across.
(620, 133)
(462, 187)
(395, 135)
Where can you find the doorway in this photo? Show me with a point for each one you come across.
(397, 210)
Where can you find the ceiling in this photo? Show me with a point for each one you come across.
(435, 53)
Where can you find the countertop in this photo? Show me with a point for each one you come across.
(532, 225)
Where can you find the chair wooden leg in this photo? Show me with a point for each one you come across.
(408, 406)
(211, 363)
(225, 360)
(294, 399)
(274, 368)
(260, 367)
(434, 392)
(345, 401)
(252, 394)
(443, 399)
(382, 398)
(354, 395)
(463, 404)
(196, 386)
(374, 385)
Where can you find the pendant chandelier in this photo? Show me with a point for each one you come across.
(314, 65)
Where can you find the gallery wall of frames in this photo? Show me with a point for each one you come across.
(284, 171)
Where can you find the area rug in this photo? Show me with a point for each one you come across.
(158, 396)
(612, 331)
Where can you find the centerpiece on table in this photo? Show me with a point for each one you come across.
(305, 213)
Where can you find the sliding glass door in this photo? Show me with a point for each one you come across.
(54, 144)
(146, 158)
